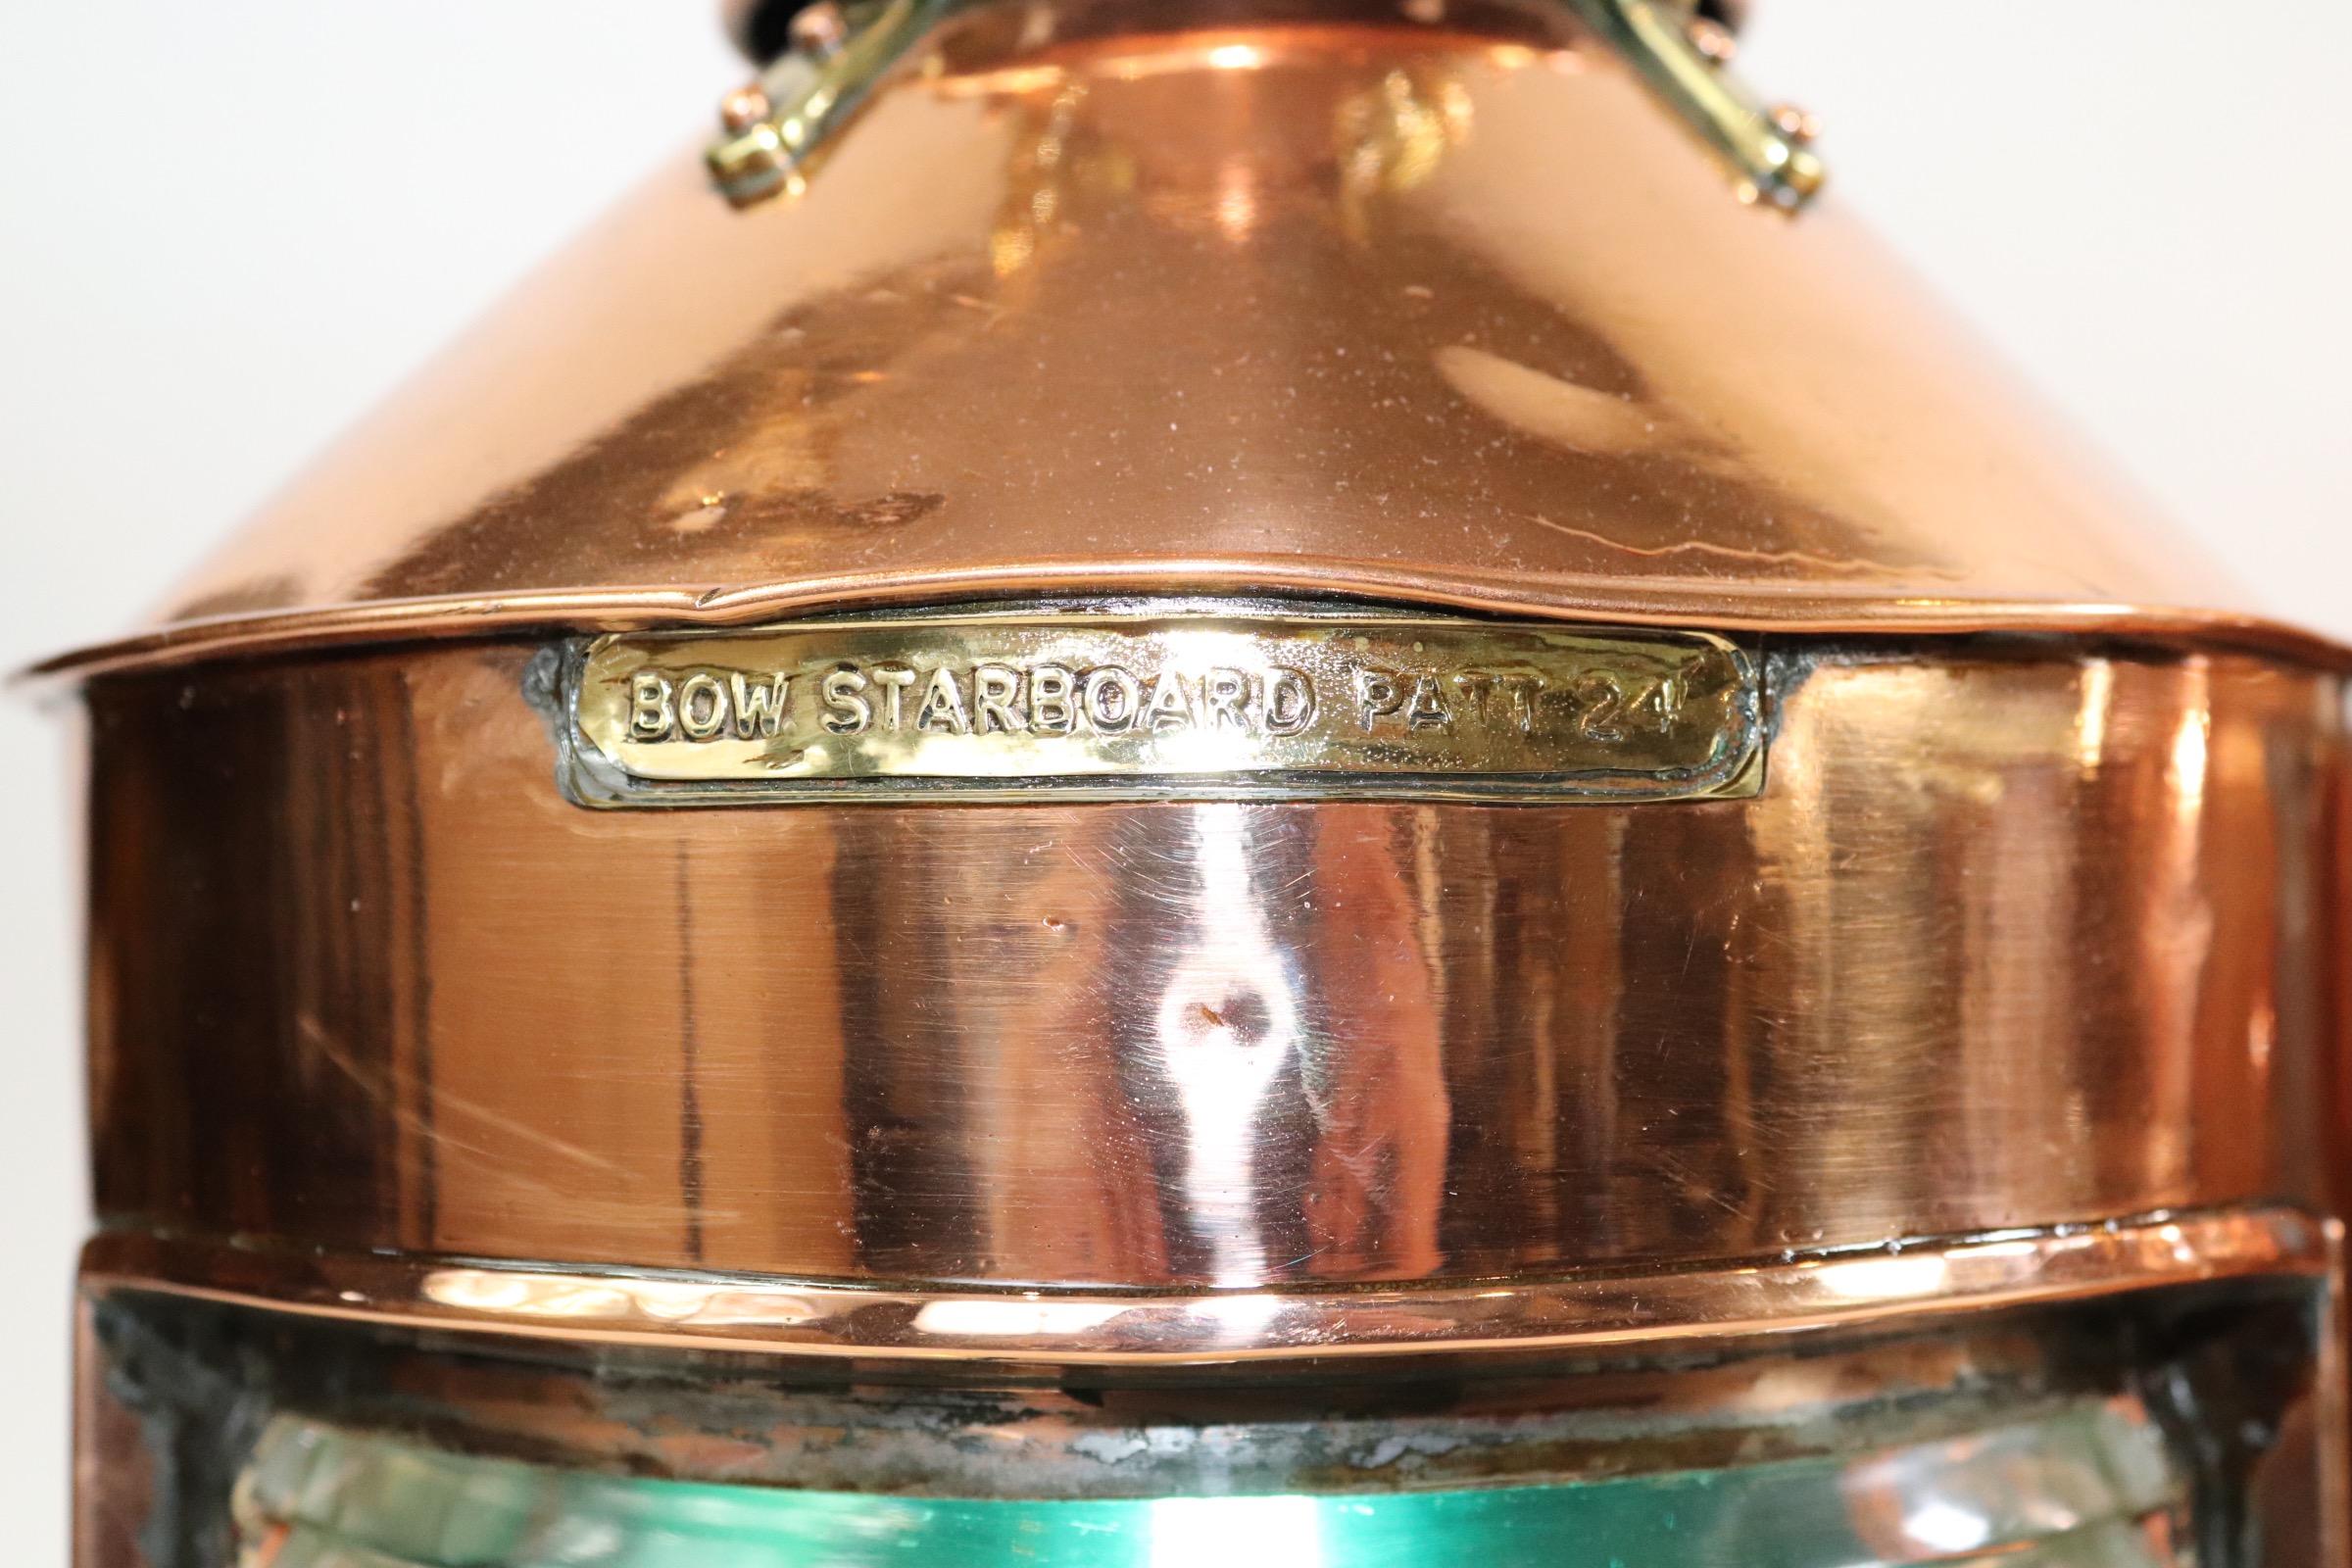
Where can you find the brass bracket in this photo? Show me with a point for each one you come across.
(1765, 148)
(778, 126)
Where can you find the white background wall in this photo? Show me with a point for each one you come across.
(226, 226)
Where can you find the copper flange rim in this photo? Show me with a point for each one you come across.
(561, 612)
(1592, 1311)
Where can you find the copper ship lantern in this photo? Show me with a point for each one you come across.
(1243, 781)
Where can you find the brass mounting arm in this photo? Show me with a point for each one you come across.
(779, 125)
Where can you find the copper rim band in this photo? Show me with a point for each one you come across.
(1844, 1288)
(1224, 1046)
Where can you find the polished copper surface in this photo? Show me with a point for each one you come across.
(1453, 315)
(2017, 933)
(1916, 1286)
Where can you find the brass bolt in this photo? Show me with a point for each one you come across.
(1800, 125)
(743, 108)
(821, 29)
(1712, 39)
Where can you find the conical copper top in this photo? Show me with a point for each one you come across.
(1407, 311)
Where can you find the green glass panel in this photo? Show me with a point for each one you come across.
(2084, 1485)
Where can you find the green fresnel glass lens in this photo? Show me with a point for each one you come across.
(2088, 1483)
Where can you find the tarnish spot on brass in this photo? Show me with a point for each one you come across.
(1184, 705)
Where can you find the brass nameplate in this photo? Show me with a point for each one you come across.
(1172, 706)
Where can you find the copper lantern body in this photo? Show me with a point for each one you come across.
(1240, 783)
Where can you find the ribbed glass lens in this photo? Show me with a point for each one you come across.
(2086, 1482)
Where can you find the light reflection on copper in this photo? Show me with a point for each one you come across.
(1026, 1318)
(1237, 201)
(2090, 724)
(2188, 761)
(523, 1293)
(1226, 1027)
(1921, 1274)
